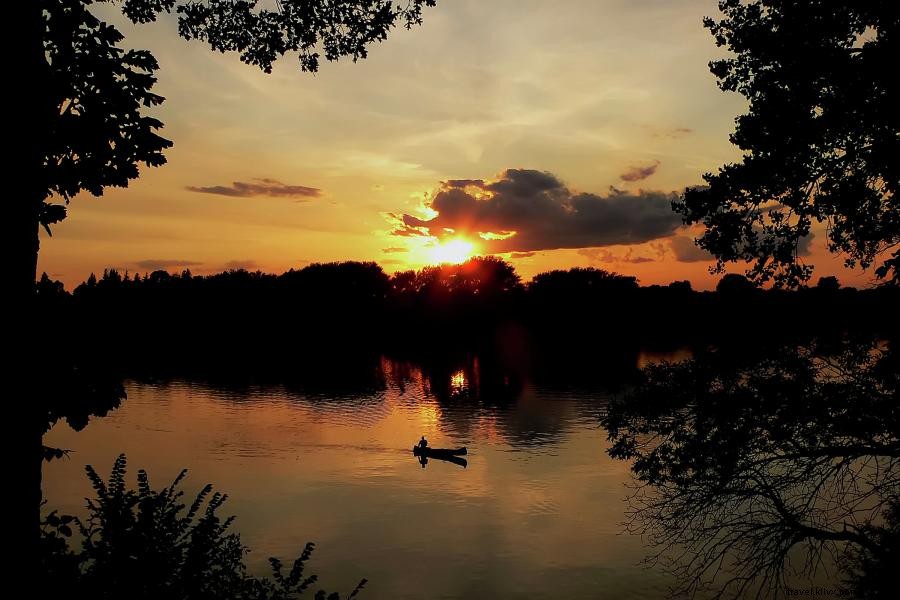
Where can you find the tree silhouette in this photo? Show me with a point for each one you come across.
(485, 277)
(241, 321)
(80, 107)
(146, 544)
(734, 285)
(85, 108)
(820, 140)
(748, 470)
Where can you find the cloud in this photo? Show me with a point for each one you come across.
(463, 183)
(259, 187)
(390, 261)
(804, 244)
(637, 173)
(238, 265)
(604, 256)
(674, 133)
(685, 250)
(394, 250)
(541, 214)
(161, 264)
(521, 254)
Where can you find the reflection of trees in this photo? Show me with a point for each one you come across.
(751, 474)
(482, 391)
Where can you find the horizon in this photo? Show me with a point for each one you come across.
(612, 103)
(525, 281)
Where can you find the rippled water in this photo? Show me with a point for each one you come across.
(537, 512)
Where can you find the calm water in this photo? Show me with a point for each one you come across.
(537, 512)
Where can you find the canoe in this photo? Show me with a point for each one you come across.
(439, 452)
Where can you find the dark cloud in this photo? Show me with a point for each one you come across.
(259, 187)
(238, 265)
(602, 255)
(805, 244)
(161, 264)
(638, 173)
(394, 250)
(685, 250)
(521, 254)
(401, 228)
(463, 183)
(541, 214)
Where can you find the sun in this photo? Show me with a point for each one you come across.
(452, 251)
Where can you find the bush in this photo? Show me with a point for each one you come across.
(149, 544)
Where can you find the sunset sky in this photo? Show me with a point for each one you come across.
(570, 123)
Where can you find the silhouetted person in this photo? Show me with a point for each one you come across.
(423, 443)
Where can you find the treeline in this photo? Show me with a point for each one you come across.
(354, 308)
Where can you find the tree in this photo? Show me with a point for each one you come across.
(820, 140)
(734, 285)
(828, 284)
(80, 109)
(746, 472)
(85, 110)
(143, 543)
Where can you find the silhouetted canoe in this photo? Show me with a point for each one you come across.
(439, 452)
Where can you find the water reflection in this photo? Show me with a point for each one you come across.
(535, 513)
(762, 461)
(755, 477)
(456, 460)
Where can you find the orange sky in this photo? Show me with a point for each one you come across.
(599, 93)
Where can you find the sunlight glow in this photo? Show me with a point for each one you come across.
(451, 251)
(458, 382)
(496, 235)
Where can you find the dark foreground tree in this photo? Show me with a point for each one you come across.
(820, 140)
(755, 476)
(82, 114)
(148, 544)
(78, 123)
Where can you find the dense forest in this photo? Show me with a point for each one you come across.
(323, 312)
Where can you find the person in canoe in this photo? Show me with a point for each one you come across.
(423, 443)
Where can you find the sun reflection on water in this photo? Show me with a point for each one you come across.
(458, 382)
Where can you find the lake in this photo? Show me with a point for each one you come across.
(536, 513)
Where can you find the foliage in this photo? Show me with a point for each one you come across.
(485, 276)
(339, 27)
(874, 576)
(582, 280)
(244, 320)
(746, 471)
(820, 140)
(97, 92)
(150, 544)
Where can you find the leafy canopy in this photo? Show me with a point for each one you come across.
(97, 92)
(820, 140)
